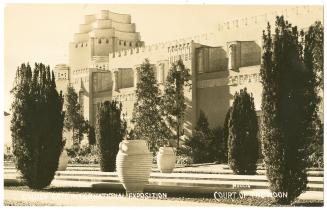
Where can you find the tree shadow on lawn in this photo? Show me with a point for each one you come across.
(309, 203)
(197, 165)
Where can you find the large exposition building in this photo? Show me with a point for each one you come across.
(107, 49)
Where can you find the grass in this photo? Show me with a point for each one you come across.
(24, 203)
(262, 202)
(201, 198)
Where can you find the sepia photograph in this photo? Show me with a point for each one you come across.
(171, 104)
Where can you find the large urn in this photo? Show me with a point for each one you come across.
(133, 164)
(166, 159)
(63, 161)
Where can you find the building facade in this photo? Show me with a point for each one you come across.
(107, 50)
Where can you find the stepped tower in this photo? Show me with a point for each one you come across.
(99, 35)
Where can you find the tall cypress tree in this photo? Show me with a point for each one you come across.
(147, 118)
(36, 125)
(174, 99)
(110, 131)
(243, 141)
(74, 121)
(313, 61)
(225, 134)
(287, 110)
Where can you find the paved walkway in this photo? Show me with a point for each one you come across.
(71, 199)
(195, 168)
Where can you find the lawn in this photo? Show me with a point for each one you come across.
(201, 198)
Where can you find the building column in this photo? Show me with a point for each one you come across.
(232, 57)
(136, 75)
(115, 79)
(161, 73)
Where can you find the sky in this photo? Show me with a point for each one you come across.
(41, 33)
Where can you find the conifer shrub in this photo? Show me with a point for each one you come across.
(243, 142)
(291, 63)
(110, 131)
(91, 135)
(206, 145)
(36, 125)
